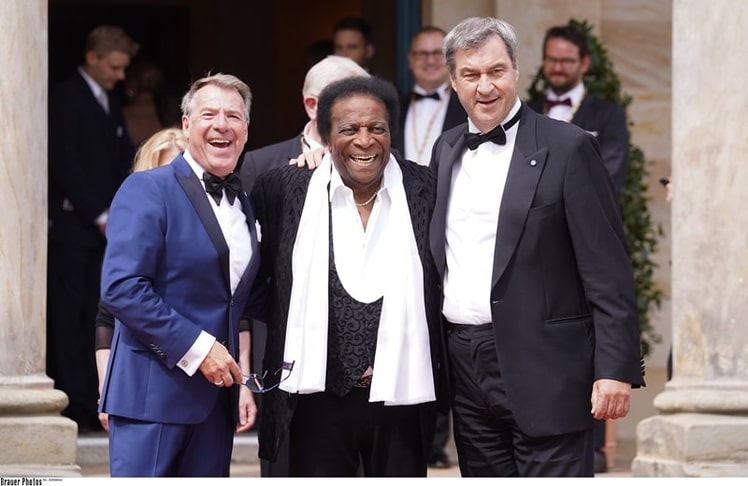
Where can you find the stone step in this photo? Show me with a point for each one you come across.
(93, 449)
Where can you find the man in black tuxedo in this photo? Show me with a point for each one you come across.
(89, 157)
(431, 107)
(566, 59)
(538, 291)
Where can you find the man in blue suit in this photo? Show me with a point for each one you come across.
(178, 270)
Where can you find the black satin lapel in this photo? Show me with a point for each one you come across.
(583, 111)
(519, 192)
(252, 227)
(196, 194)
(447, 157)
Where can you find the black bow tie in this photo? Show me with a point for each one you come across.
(419, 96)
(551, 103)
(497, 135)
(215, 186)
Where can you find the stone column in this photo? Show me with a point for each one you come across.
(35, 440)
(702, 428)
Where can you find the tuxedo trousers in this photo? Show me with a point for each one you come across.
(332, 436)
(487, 438)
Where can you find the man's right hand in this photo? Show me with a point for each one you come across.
(219, 367)
(310, 160)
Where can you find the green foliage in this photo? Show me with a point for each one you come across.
(641, 232)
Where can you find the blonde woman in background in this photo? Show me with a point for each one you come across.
(158, 150)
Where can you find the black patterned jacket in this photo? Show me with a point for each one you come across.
(279, 199)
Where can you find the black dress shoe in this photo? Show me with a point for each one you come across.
(601, 463)
(439, 461)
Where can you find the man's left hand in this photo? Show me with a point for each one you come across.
(247, 409)
(611, 399)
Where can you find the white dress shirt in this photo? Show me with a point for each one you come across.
(233, 223)
(359, 255)
(424, 122)
(478, 181)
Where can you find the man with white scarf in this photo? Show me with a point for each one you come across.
(354, 300)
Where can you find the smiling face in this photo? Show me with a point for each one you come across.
(486, 83)
(216, 128)
(360, 141)
(426, 60)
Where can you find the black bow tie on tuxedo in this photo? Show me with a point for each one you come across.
(215, 186)
(551, 103)
(419, 96)
(497, 135)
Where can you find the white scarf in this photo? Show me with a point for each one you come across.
(402, 364)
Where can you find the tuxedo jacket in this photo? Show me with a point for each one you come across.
(562, 293)
(607, 122)
(258, 161)
(279, 197)
(89, 157)
(166, 278)
(454, 116)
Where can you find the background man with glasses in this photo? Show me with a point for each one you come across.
(431, 107)
(566, 59)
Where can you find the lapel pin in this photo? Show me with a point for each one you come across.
(533, 163)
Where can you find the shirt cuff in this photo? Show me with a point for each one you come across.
(103, 217)
(193, 358)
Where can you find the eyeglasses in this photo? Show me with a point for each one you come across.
(423, 55)
(566, 62)
(256, 383)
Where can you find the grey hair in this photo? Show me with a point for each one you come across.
(328, 70)
(227, 81)
(473, 33)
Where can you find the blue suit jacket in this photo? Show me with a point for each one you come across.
(166, 279)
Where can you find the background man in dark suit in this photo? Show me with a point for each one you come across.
(331, 68)
(538, 288)
(431, 107)
(566, 59)
(89, 157)
(177, 275)
(346, 251)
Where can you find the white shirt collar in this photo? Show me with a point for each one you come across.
(96, 88)
(336, 182)
(310, 143)
(442, 89)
